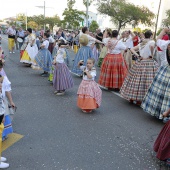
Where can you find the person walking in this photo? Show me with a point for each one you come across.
(11, 38)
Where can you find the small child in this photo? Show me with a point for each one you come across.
(162, 143)
(89, 93)
(62, 77)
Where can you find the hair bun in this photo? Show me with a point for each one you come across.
(83, 40)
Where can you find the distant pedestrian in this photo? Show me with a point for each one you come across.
(11, 38)
(89, 93)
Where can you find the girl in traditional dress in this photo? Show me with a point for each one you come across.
(142, 72)
(85, 51)
(62, 77)
(157, 99)
(162, 143)
(89, 93)
(43, 58)
(31, 50)
(113, 69)
(106, 36)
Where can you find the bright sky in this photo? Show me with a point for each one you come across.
(10, 8)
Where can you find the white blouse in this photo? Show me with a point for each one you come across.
(46, 44)
(91, 39)
(119, 46)
(162, 44)
(61, 55)
(128, 42)
(92, 73)
(31, 38)
(145, 50)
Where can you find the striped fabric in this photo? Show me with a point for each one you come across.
(157, 99)
(95, 53)
(83, 53)
(44, 59)
(90, 88)
(113, 71)
(139, 79)
(62, 77)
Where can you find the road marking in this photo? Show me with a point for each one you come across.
(12, 138)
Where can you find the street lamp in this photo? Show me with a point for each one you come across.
(44, 13)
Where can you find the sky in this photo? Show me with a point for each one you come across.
(28, 7)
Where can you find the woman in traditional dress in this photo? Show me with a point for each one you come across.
(24, 45)
(142, 72)
(85, 51)
(113, 69)
(43, 58)
(157, 99)
(31, 50)
(162, 143)
(106, 36)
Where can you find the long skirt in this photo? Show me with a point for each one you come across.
(95, 53)
(54, 53)
(113, 71)
(89, 95)
(67, 59)
(51, 47)
(29, 54)
(62, 79)
(157, 99)
(128, 58)
(83, 53)
(162, 143)
(7, 127)
(102, 56)
(11, 43)
(43, 60)
(138, 80)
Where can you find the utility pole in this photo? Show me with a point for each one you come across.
(87, 13)
(156, 25)
(26, 21)
(44, 16)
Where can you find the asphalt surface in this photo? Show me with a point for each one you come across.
(58, 136)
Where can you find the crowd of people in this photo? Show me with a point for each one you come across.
(133, 64)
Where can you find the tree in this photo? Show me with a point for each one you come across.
(32, 24)
(52, 21)
(166, 22)
(93, 26)
(72, 17)
(70, 3)
(123, 13)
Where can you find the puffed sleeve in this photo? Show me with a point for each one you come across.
(82, 67)
(162, 44)
(6, 84)
(121, 45)
(93, 73)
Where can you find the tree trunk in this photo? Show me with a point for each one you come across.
(119, 26)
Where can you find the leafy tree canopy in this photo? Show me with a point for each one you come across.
(93, 26)
(123, 13)
(166, 22)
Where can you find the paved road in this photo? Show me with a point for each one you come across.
(58, 136)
